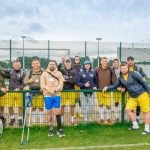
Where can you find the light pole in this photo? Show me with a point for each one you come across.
(98, 39)
(23, 37)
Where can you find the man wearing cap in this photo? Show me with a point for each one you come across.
(139, 93)
(106, 77)
(70, 77)
(133, 67)
(86, 79)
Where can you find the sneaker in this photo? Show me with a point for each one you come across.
(109, 122)
(51, 132)
(12, 121)
(133, 128)
(102, 122)
(20, 122)
(145, 132)
(60, 133)
(3, 120)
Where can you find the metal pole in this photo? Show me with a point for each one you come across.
(48, 49)
(10, 50)
(23, 37)
(85, 49)
(120, 53)
(98, 39)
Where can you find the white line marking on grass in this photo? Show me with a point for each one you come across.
(98, 146)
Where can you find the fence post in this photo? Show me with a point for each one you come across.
(122, 107)
(10, 50)
(24, 104)
(85, 48)
(120, 52)
(48, 49)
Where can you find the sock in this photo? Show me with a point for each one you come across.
(146, 127)
(62, 119)
(41, 114)
(19, 117)
(101, 112)
(58, 121)
(138, 117)
(116, 113)
(108, 113)
(33, 116)
(135, 124)
(12, 117)
(51, 127)
(72, 118)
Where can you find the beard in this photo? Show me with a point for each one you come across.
(52, 69)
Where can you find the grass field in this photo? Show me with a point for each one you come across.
(79, 136)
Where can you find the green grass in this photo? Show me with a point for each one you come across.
(81, 135)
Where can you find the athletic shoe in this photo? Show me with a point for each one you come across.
(3, 120)
(60, 133)
(12, 121)
(145, 132)
(51, 132)
(102, 122)
(133, 128)
(109, 122)
(20, 122)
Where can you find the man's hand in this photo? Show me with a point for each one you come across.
(105, 89)
(62, 59)
(87, 84)
(94, 88)
(4, 90)
(31, 81)
(17, 89)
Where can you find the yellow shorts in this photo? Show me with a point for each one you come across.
(38, 101)
(77, 94)
(3, 100)
(142, 100)
(15, 99)
(68, 98)
(117, 97)
(104, 98)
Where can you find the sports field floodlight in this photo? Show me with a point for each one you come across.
(23, 37)
(98, 39)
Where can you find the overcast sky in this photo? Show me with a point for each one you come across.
(75, 20)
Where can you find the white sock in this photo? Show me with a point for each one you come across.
(146, 127)
(135, 124)
(33, 116)
(101, 112)
(12, 117)
(72, 119)
(108, 113)
(62, 119)
(116, 113)
(41, 114)
(138, 117)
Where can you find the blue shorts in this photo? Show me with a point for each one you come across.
(52, 102)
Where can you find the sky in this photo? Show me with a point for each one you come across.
(76, 20)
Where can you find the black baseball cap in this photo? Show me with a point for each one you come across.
(130, 57)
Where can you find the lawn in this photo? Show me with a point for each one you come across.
(79, 136)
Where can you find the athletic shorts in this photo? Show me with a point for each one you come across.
(77, 94)
(68, 98)
(52, 102)
(104, 98)
(3, 100)
(117, 97)
(15, 99)
(142, 100)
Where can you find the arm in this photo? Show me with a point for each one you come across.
(95, 80)
(115, 85)
(43, 83)
(26, 79)
(140, 79)
(60, 83)
(142, 73)
(79, 83)
(22, 85)
(73, 80)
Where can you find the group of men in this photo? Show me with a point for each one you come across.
(71, 77)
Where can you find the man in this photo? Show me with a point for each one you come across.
(16, 83)
(116, 95)
(70, 77)
(3, 91)
(106, 76)
(32, 82)
(52, 85)
(133, 67)
(138, 91)
(77, 67)
(86, 79)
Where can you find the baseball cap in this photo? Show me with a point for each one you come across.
(87, 62)
(67, 60)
